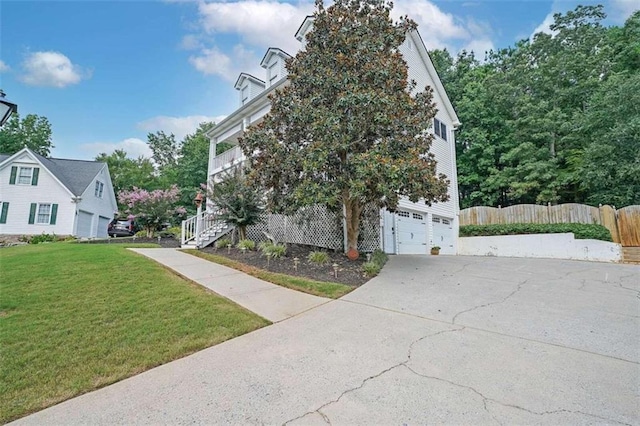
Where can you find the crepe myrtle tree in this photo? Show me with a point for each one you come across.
(347, 131)
(237, 201)
(152, 209)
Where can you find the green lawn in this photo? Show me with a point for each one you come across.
(76, 317)
(317, 288)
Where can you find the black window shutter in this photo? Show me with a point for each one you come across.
(34, 177)
(3, 213)
(54, 214)
(32, 213)
(14, 173)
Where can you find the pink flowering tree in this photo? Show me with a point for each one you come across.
(152, 209)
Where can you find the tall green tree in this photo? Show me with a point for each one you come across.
(127, 173)
(33, 132)
(346, 131)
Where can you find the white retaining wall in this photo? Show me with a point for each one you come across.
(554, 246)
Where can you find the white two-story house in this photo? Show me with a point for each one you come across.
(415, 227)
(54, 196)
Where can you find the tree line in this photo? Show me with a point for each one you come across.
(553, 119)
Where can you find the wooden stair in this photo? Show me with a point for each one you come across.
(631, 255)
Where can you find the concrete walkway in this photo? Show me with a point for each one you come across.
(270, 301)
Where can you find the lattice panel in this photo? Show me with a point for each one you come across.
(317, 226)
(369, 238)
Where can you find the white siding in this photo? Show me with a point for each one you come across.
(104, 206)
(20, 197)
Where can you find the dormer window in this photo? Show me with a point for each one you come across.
(244, 95)
(273, 72)
(273, 62)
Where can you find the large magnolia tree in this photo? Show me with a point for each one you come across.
(346, 131)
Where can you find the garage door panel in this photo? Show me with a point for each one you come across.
(84, 224)
(411, 233)
(443, 234)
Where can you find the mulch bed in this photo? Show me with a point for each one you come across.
(349, 272)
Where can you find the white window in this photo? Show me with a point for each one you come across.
(446, 222)
(440, 129)
(245, 94)
(25, 175)
(273, 72)
(44, 214)
(418, 216)
(436, 220)
(403, 214)
(99, 189)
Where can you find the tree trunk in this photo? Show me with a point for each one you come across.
(353, 209)
(242, 232)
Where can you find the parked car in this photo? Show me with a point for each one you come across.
(122, 228)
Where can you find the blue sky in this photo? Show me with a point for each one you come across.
(105, 73)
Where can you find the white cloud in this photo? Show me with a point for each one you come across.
(4, 67)
(259, 24)
(479, 47)
(51, 69)
(134, 148)
(179, 126)
(544, 26)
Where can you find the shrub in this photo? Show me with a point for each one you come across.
(371, 269)
(173, 232)
(374, 266)
(223, 243)
(275, 250)
(264, 245)
(319, 257)
(141, 234)
(379, 257)
(580, 230)
(247, 244)
(43, 238)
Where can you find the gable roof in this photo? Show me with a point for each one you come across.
(244, 76)
(270, 52)
(75, 175)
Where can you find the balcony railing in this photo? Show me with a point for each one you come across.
(227, 158)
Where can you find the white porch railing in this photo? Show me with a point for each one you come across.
(201, 230)
(227, 158)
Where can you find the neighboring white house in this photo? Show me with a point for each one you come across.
(415, 227)
(54, 196)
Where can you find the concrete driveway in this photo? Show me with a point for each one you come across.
(446, 340)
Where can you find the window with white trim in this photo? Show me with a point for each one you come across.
(403, 214)
(25, 175)
(446, 222)
(245, 94)
(44, 214)
(435, 220)
(99, 189)
(440, 129)
(273, 72)
(418, 216)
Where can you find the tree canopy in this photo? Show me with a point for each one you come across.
(33, 132)
(347, 131)
(552, 119)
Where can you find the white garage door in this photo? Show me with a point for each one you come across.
(84, 224)
(103, 224)
(443, 234)
(412, 233)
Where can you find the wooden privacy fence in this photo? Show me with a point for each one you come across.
(624, 223)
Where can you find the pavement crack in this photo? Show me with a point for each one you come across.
(324, 416)
(360, 386)
(426, 337)
(486, 399)
(518, 288)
